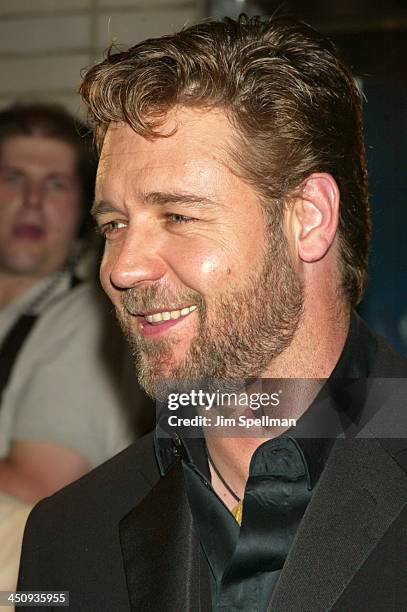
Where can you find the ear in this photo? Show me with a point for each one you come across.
(314, 216)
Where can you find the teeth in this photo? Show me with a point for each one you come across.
(169, 314)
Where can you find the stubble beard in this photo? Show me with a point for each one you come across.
(239, 333)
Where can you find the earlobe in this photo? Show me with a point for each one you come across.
(316, 213)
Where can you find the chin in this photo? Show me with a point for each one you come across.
(25, 269)
(157, 380)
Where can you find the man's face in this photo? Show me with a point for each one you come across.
(40, 205)
(200, 288)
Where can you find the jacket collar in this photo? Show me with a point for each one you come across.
(162, 558)
(360, 493)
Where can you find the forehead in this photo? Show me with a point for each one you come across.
(195, 152)
(38, 151)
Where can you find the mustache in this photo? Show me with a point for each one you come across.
(138, 301)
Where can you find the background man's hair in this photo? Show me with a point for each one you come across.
(53, 121)
(293, 103)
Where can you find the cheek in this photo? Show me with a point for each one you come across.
(64, 218)
(10, 204)
(209, 266)
(201, 269)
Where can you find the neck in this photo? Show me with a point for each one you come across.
(317, 343)
(313, 354)
(232, 458)
(11, 286)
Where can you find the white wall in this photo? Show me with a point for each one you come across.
(44, 44)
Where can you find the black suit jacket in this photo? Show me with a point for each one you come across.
(122, 538)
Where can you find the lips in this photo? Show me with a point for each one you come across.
(28, 231)
(158, 322)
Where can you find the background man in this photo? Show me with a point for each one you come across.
(60, 411)
(232, 195)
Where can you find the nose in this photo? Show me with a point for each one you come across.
(134, 261)
(33, 194)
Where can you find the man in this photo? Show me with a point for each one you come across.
(60, 411)
(232, 194)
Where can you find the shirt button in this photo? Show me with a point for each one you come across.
(176, 445)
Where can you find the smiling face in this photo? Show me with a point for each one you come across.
(39, 203)
(200, 287)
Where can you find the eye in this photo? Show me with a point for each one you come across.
(55, 184)
(108, 230)
(13, 178)
(176, 219)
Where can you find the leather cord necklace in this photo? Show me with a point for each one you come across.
(237, 510)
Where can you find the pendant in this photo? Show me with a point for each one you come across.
(237, 512)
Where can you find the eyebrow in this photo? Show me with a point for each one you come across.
(101, 207)
(161, 198)
(6, 166)
(52, 173)
(157, 198)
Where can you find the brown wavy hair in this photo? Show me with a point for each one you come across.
(293, 103)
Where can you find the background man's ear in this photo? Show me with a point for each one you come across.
(315, 216)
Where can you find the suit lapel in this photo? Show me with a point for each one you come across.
(360, 493)
(160, 549)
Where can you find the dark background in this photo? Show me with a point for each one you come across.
(372, 37)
